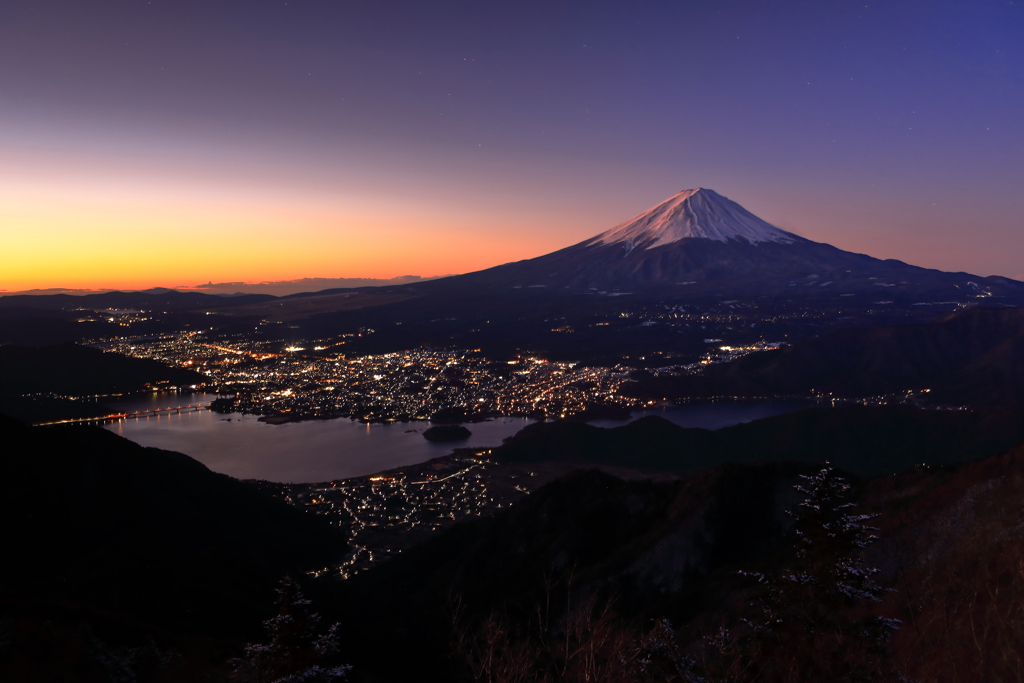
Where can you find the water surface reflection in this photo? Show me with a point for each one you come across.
(321, 450)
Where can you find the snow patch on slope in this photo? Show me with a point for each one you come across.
(693, 214)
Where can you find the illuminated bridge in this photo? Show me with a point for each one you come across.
(152, 412)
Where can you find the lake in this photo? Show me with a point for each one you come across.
(322, 450)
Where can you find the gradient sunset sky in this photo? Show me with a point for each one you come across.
(172, 142)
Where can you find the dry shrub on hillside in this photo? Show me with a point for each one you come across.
(959, 556)
(589, 643)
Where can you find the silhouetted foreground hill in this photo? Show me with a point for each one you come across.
(950, 545)
(864, 440)
(975, 357)
(73, 370)
(649, 545)
(132, 542)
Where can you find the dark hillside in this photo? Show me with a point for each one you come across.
(31, 327)
(72, 370)
(67, 370)
(864, 440)
(974, 357)
(129, 540)
(950, 545)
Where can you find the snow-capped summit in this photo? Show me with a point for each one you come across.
(699, 214)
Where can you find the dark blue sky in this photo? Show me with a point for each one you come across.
(511, 129)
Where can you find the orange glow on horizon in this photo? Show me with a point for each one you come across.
(99, 234)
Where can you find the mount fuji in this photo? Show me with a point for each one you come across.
(701, 240)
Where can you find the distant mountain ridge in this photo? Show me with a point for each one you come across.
(242, 288)
(157, 298)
